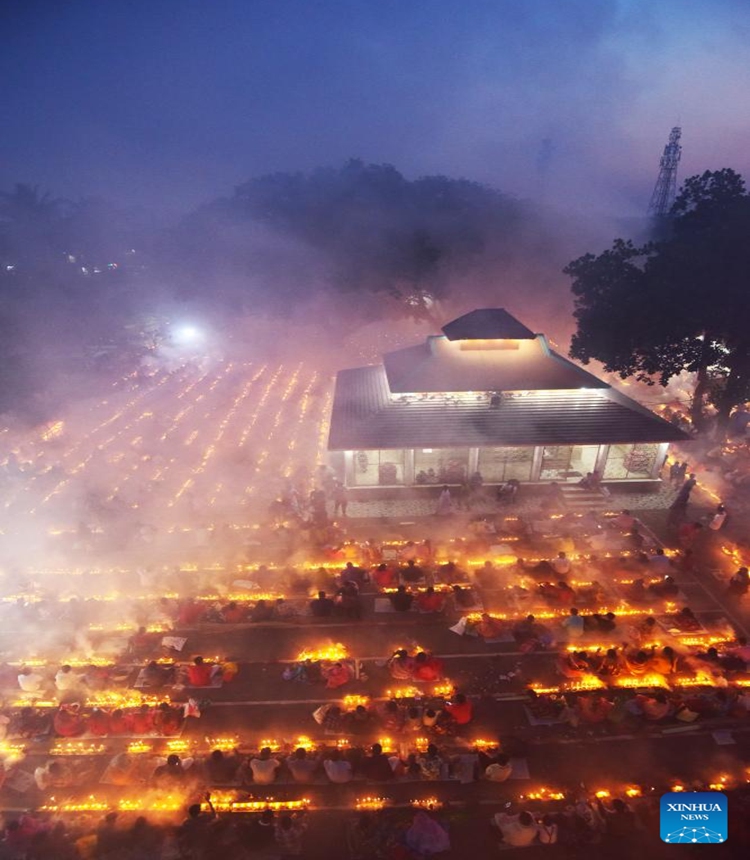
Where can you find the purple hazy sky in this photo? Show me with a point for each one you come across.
(168, 103)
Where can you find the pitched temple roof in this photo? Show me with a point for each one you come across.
(487, 324)
(435, 394)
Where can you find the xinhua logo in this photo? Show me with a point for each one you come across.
(694, 817)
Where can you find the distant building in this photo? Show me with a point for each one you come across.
(489, 395)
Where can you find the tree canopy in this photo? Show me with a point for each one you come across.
(678, 303)
(362, 228)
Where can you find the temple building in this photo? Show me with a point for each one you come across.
(488, 395)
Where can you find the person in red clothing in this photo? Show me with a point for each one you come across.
(427, 667)
(384, 576)
(190, 612)
(119, 723)
(430, 601)
(199, 674)
(98, 724)
(233, 613)
(142, 721)
(68, 722)
(168, 719)
(460, 710)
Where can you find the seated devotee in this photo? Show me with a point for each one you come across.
(573, 665)
(460, 710)
(173, 773)
(499, 769)
(488, 627)
(598, 623)
(391, 717)
(385, 576)
(685, 620)
(98, 723)
(413, 720)
(347, 600)
(450, 572)
(401, 600)
(739, 583)
(199, 673)
(233, 613)
(401, 665)
(119, 722)
(610, 664)
(644, 630)
(530, 634)
(561, 565)
(566, 596)
(624, 521)
(637, 662)
(666, 589)
(337, 675)
(68, 722)
(377, 766)
(659, 562)
(54, 774)
(431, 764)
(337, 769)
(262, 611)
(66, 680)
(741, 650)
(142, 720)
(653, 708)
(264, 767)
(592, 708)
(427, 667)
(302, 766)
(487, 575)
(573, 625)
(359, 721)
(352, 573)
(190, 612)
(517, 831)
(412, 572)
(426, 836)
(30, 722)
(665, 661)
(168, 719)
(220, 768)
(157, 676)
(464, 598)
(321, 606)
(430, 601)
(30, 681)
(636, 592)
(122, 770)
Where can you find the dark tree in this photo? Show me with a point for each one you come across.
(676, 304)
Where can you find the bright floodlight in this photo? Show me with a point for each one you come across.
(187, 334)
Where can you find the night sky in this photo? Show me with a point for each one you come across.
(168, 103)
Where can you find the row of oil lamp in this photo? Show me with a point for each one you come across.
(13, 750)
(230, 801)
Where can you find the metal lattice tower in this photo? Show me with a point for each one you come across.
(666, 185)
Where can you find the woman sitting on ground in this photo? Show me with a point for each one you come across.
(427, 667)
(337, 675)
(401, 665)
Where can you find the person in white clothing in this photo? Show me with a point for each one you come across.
(337, 769)
(718, 519)
(561, 564)
(30, 681)
(66, 680)
(264, 767)
(518, 830)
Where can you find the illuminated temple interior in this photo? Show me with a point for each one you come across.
(488, 395)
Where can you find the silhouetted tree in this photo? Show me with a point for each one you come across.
(676, 304)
